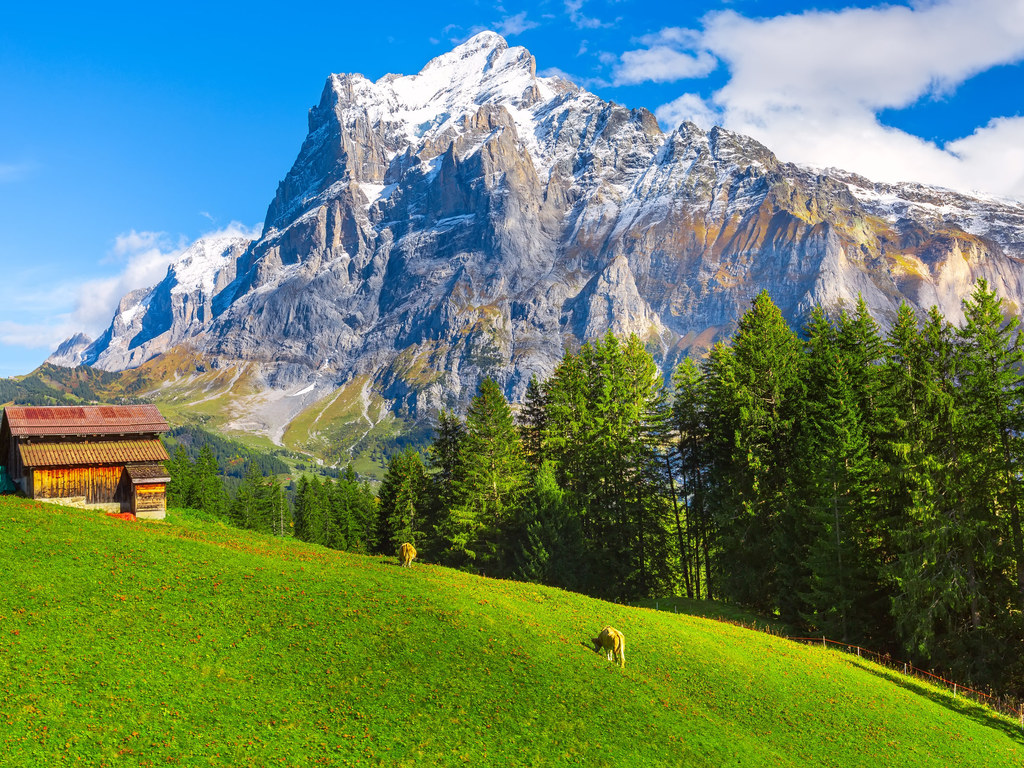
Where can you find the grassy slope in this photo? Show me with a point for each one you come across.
(187, 642)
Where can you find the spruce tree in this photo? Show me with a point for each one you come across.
(547, 545)
(317, 527)
(990, 361)
(835, 477)
(606, 418)
(277, 510)
(445, 463)
(532, 420)
(208, 492)
(245, 510)
(302, 513)
(181, 471)
(403, 497)
(755, 391)
(693, 531)
(492, 478)
(941, 607)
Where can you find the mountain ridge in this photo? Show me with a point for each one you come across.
(477, 220)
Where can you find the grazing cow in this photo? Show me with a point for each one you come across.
(613, 643)
(406, 553)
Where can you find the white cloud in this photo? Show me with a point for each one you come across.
(514, 25)
(995, 152)
(811, 85)
(573, 8)
(73, 306)
(10, 172)
(881, 57)
(672, 36)
(691, 107)
(662, 64)
(583, 82)
(31, 336)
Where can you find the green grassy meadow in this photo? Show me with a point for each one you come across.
(185, 642)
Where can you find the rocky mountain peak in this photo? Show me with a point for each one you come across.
(361, 129)
(476, 220)
(71, 352)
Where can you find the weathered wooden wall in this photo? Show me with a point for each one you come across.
(99, 485)
(150, 500)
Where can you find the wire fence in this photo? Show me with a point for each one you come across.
(1005, 705)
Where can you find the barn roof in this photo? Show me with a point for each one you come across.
(91, 453)
(147, 473)
(28, 421)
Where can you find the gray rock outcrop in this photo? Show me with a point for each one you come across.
(477, 220)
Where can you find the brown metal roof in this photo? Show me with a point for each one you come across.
(91, 453)
(147, 473)
(29, 420)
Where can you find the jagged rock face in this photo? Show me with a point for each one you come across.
(149, 321)
(477, 220)
(71, 352)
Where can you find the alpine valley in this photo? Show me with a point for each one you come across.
(475, 220)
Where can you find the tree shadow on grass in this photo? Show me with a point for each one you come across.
(962, 705)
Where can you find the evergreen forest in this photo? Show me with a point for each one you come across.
(860, 485)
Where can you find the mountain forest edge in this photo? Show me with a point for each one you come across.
(844, 482)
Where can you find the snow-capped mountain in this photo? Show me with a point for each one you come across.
(149, 321)
(476, 220)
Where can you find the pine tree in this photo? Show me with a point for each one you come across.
(403, 497)
(693, 530)
(208, 492)
(492, 478)
(990, 361)
(606, 418)
(180, 488)
(245, 511)
(835, 469)
(754, 396)
(532, 420)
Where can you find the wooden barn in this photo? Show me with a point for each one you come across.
(99, 456)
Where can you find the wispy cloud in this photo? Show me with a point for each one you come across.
(72, 306)
(581, 20)
(514, 25)
(688, 107)
(662, 64)
(507, 26)
(11, 172)
(583, 82)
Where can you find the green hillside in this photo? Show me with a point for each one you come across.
(189, 643)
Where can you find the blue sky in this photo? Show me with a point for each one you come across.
(128, 130)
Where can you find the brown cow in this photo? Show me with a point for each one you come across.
(406, 553)
(613, 643)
